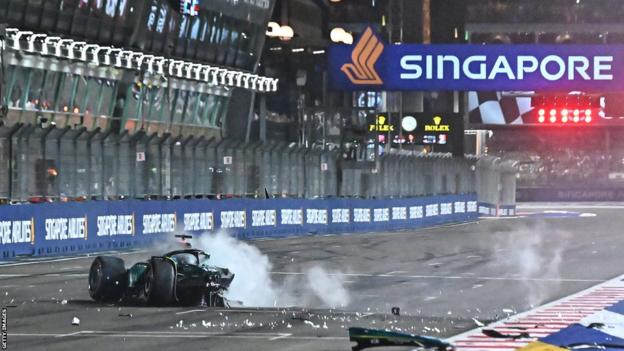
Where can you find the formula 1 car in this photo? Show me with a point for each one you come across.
(178, 277)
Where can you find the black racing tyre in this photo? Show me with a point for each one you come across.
(107, 279)
(160, 283)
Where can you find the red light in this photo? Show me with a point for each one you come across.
(541, 119)
(553, 112)
(576, 119)
(588, 119)
(553, 119)
(588, 112)
(564, 112)
(564, 119)
(541, 112)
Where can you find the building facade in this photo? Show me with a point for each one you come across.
(88, 85)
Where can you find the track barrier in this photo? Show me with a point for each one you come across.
(92, 226)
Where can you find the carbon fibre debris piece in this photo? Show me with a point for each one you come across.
(498, 335)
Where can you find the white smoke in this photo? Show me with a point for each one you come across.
(534, 254)
(254, 284)
(328, 287)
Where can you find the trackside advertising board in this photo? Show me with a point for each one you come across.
(371, 64)
(66, 228)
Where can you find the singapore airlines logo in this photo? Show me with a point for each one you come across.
(364, 56)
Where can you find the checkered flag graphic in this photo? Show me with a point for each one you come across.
(496, 108)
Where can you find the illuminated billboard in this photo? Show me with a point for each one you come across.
(436, 129)
(370, 64)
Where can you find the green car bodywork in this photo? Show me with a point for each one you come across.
(367, 338)
(177, 277)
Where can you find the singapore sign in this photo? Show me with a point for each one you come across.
(370, 64)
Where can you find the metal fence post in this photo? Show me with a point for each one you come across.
(251, 172)
(262, 160)
(222, 175)
(177, 166)
(165, 165)
(211, 163)
(284, 170)
(126, 163)
(98, 177)
(110, 165)
(293, 170)
(309, 174)
(187, 171)
(151, 147)
(138, 158)
(300, 154)
(198, 157)
(239, 165)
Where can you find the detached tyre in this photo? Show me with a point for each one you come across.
(160, 283)
(107, 279)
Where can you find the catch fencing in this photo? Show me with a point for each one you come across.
(496, 186)
(409, 175)
(56, 164)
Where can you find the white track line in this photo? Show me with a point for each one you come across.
(176, 335)
(367, 275)
(190, 311)
(69, 334)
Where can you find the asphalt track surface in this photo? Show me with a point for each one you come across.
(441, 278)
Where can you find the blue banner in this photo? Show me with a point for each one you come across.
(66, 228)
(493, 210)
(371, 64)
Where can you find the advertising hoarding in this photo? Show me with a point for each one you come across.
(437, 129)
(371, 64)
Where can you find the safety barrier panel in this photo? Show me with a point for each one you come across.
(490, 210)
(68, 228)
(496, 186)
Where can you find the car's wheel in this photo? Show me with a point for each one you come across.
(107, 279)
(160, 283)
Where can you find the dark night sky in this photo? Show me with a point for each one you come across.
(446, 15)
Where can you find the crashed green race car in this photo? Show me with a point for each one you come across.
(178, 277)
